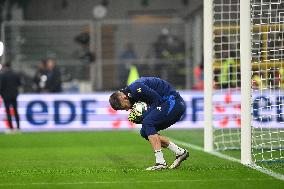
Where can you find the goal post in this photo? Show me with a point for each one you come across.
(208, 76)
(245, 52)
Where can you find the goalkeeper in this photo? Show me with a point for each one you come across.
(165, 107)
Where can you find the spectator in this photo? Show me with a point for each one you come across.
(128, 53)
(9, 84)
(227, 76)
(199, 76)
(40, 77)
(53, 82)
(169, 46)
(83, 40)
(126, 57)
(281, 77)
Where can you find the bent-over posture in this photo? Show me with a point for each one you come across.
(165, 107)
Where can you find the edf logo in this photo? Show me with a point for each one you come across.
(63, 111)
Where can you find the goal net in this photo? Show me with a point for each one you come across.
(267, 20)
(267, 78)
(226, 74)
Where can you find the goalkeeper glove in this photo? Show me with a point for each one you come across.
(134, 117)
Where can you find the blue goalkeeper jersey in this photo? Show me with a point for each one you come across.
(151, 90)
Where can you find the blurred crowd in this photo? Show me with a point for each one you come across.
(47, 78)
(267, 71)
(165, 54)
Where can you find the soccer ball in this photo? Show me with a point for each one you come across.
(139, 108)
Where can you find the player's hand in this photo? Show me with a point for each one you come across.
(134, 117)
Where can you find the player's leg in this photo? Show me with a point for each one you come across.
(159, 119)
(155, 142)
(166, 143)
(180, 153)
(8, 113)
(156, 145)
(15, 107)
(174, 116)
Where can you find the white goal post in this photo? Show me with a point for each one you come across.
(208, 76)
(245, 52)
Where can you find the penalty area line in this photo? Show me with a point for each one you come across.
(223, 156)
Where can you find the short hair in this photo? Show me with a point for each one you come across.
(114, 101)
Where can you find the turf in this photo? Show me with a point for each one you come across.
(195, 137)
(114, 160)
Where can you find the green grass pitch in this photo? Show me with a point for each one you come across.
(114, 160)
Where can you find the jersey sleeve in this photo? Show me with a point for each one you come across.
(144, 93)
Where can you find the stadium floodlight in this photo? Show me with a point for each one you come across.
(1, 48)
(244, 105)
(99, 11)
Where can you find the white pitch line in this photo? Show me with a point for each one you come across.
(195, 147)
(129, 182)
(223, 156)
(267, 171)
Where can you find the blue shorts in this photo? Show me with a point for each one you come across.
(163, 116)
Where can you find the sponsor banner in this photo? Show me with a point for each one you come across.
(46, 112)
(227, 109)
(267, 109)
